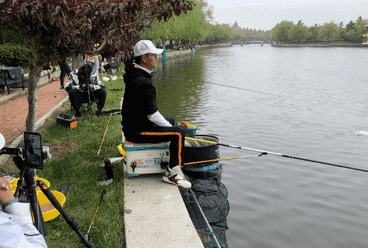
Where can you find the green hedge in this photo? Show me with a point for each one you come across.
(7, 55)
(10, 36)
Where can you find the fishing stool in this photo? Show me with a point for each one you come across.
(85, 108)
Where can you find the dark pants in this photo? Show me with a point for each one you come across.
(174, 134)
(65, 70)
(77, 98)
(107, 67)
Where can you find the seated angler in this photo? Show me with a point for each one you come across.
(80, 79)
(142, 122)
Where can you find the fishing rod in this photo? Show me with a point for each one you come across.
(99, 149)
(89, 229)
(190, 79)
(278, 154)
(221, 159)
(111, 112)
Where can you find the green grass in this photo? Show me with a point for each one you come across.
(81, 168)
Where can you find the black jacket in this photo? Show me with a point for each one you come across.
(139, 101)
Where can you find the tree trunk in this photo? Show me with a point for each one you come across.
(100, 64)
(77, 61)
(34, 76)
(2, 34)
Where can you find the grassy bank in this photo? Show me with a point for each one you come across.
(76, 162)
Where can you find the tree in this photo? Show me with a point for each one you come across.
(298, 34)
(281, 31)
(313, 33)
(329, 32)
(57, 29)
(191, 26)
(219, 33)
(350, 25)
(359, 31)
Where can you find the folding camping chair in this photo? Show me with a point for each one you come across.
(90, 102)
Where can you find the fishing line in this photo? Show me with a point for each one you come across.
(279, 154)
(190, 79)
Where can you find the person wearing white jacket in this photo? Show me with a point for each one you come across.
(79, 80)
(16, 226)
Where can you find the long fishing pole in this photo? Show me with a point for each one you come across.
(278, 154)
(234, 87)
(221, 159)
(99, 149)
(89, 229)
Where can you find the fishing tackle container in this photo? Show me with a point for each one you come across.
(145, 158)
(195, 151)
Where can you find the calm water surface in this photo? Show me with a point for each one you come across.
(304, 102)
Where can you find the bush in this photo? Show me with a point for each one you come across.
(11, 36)
(7, 54)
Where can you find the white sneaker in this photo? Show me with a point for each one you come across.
(177, 178)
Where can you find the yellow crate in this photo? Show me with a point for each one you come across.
(14, 183)
(49, 212)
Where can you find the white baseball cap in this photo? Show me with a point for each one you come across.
(144, 47)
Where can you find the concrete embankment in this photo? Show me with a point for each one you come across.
(156, 216)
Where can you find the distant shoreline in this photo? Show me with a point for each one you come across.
(321, 45)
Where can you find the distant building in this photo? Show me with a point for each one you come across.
(236, 25)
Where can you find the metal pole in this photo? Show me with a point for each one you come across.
(205, 219)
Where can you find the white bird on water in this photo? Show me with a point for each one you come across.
(361, 133)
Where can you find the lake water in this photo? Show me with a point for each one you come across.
(304, 102)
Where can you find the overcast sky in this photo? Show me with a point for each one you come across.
(265, 14)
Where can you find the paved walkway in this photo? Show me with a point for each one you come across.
(14, 107)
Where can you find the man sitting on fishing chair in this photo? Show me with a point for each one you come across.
(16, 225)
(141, 120)
(80, 79)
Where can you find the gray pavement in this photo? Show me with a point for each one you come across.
(155, 215)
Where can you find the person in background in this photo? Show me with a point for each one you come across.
(141, 120)
(79, 79)
(64, 70)
(16, 226)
